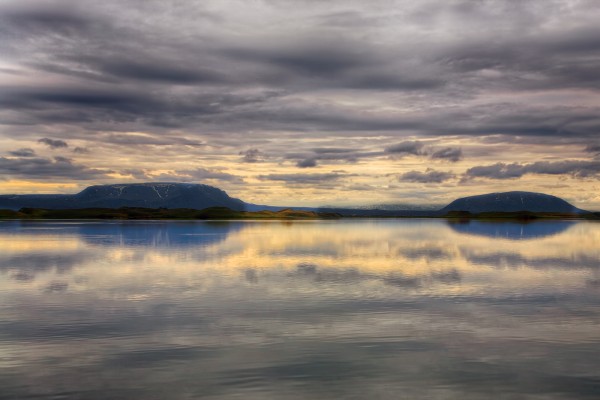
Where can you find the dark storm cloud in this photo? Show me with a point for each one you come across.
(429, 176)
(26, 152)
(575, 168)
(44, 168)
(54, 143)
(449, 153)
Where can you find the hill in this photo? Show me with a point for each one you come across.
(187, 196)
(512, 202)
(147, 195)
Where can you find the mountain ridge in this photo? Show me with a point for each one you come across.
(200, 196)
(148, 195)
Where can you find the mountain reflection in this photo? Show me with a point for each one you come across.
(413, 254)
(511, 230)
(153, 234)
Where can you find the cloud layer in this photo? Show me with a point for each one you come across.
(378, 91)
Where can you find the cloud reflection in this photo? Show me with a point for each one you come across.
(315, 309)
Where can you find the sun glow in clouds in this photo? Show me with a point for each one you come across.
(334, 103)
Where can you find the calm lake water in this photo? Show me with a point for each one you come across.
(350, 309)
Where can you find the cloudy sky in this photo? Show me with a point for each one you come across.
(303, 102)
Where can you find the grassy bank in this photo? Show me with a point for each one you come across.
(160, 213)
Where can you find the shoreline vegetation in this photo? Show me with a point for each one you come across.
(224, 213)
(140, 213)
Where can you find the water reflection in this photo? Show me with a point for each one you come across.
(319, 309)
(510, 229)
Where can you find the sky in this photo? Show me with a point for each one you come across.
(303, 102)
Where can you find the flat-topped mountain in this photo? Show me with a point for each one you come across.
(148, 195)
(198, 196)
(512, 202)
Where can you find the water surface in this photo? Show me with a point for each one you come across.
(353, 309)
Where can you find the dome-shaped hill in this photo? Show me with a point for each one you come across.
(512, 202)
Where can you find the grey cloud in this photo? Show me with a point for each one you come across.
(25, 152)
(593, 148)
(159, 71)
(54, 143)
(251, 155)
(304, 178)
(92, 101)
(209, 173)
(325, 57)
(575, 168)
(449, 153)
(407, 147)
(41, 18)
(153, 68)
(81, 150)
(360, 187)
(332, 150)
(44, 168)
(429, 176)
(330, 155)
(224, 111)
(332, 62)
(119, 106)
(496, 171)
(307, 163)
(190, 175)
(149, 139)
(136, 173)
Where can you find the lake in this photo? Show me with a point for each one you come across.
(346, 309)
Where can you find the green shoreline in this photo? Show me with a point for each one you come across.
(138, 213)
(223, 213)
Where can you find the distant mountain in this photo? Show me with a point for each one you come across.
(512, 202)
(198, 197)
(149, 195)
